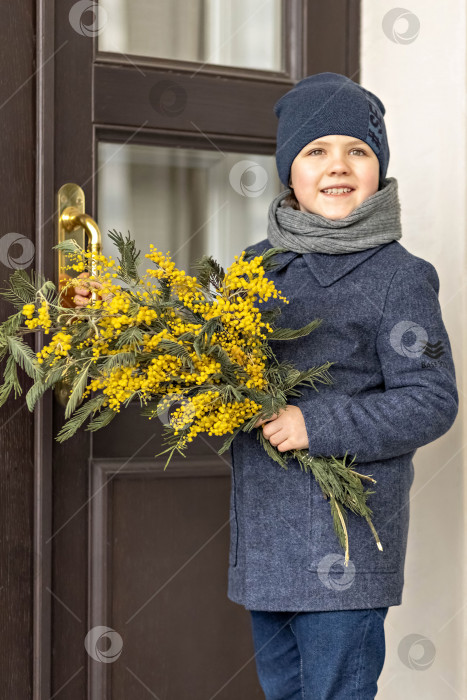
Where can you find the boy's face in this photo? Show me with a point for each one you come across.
(330, 161)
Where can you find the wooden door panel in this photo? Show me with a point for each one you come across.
(160, 542)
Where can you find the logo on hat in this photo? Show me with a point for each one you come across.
(375, 127)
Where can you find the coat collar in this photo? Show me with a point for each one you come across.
(325, 267)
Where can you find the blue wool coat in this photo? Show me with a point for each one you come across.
(394, 390)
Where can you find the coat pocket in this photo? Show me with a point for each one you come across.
(364, 554)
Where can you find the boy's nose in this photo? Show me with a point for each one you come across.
(339, 170)
(339, 166)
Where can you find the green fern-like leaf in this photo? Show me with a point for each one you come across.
(229, 393)
(82, 330)
(337, 521)
(10, 328)
(228, 441)
(171, 347)
(77, 420)
(291, 333)
(153, 408)
(70, 247)
(34, 394)
(271, 315)
(5, 390)
(268, 256)
(231, 371)
(40, 386)
(24, 356)
(292, 378)
(11, 382)
(103, 419)
(208, 271)
(271, 451)
(129, 256)
(21, 290)
(203, 340)
(120, 359)
(130, 336)
(166, 292)
(77, 391)
(24, 288)
(49, 291)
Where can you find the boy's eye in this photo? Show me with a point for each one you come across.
(360, 150)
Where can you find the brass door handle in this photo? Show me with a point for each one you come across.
(73, 222)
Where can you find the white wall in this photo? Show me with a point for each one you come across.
(421, 80)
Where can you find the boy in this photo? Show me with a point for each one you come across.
(317, 634)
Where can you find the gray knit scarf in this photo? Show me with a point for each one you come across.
(375, 221)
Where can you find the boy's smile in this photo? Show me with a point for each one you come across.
(332, 175)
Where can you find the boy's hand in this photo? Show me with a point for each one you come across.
(286, 430)
(81, 296)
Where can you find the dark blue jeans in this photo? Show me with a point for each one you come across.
(336, 655)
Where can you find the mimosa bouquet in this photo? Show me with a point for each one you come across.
(196, 345)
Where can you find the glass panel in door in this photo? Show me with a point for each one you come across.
(241, 33)
(186, 201)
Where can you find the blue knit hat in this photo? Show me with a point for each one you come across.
(323, 104)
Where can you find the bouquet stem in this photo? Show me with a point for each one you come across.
(344, 488)
(338, 482)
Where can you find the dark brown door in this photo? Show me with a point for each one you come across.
(162, 113)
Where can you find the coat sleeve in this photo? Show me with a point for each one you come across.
(419, 402)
